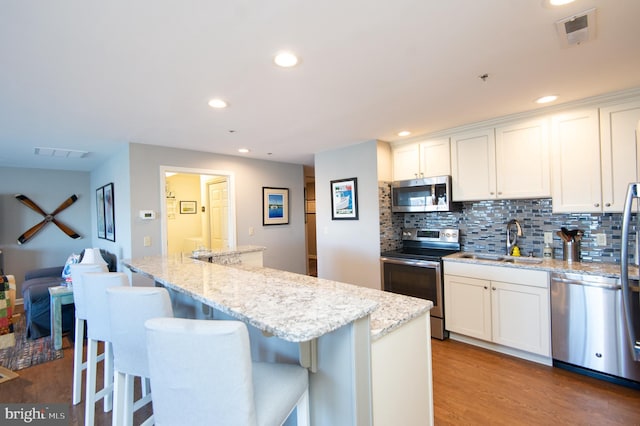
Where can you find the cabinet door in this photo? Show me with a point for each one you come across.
(467, 306)
(576, 186)
(618, 152)
(521, 317)
(435, 158)
(522, 160)
(406, 162)
(473, 165)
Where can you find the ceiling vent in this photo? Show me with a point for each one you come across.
(60, 152)
(577, 29)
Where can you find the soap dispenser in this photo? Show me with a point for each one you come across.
(516, 251)
(547, 252)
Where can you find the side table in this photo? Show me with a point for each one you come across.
(59, 296)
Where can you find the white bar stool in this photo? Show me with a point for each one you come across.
(201, 372)
(94, 286)
(76, 271)
(129, 308)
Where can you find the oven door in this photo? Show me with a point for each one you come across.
(417, 278)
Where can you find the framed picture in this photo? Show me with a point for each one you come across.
(100, 210)
(109, 213)
(344, 199)
(188, 207)
(275, 206)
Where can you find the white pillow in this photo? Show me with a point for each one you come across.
(66, 271)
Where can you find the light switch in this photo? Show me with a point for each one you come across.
(147, 241)
(251, 231)
(601, 239)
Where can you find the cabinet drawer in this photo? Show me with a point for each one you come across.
(498, 273)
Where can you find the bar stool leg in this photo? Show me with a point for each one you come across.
(118, 400)
(77, 362)
(108, 377)
(90, 400)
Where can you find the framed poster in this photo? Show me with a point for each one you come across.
(344, 199)
(109, 213)
(275, 206)
(188, 207)
(100, 210)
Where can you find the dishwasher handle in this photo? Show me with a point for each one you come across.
(601, 282)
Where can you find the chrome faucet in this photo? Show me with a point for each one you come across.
(511, 240)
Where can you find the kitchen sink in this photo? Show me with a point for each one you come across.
(528, 260)
(481, 256)
(501, 258)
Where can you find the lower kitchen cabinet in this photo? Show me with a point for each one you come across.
(502, 305)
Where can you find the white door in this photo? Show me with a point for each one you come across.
(219, 213)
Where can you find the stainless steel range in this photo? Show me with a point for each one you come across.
(416, 269)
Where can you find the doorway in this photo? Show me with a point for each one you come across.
(198, 209)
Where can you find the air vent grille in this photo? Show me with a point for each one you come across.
(577, 29)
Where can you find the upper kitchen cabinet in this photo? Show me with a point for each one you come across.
(576, 162)
(422, 159)
(618, 151)
(507, 162)
(473, 165)
(522, 160)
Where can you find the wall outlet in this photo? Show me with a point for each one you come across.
(548, 237)
(147, 241)
(251, 230)
(601, 239)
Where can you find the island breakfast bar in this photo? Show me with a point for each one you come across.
(361, 346)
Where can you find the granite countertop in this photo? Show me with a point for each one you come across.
(393, 310)
(552, 265)
(232, 253)
(293, 307)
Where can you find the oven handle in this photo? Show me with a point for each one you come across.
(409, 262)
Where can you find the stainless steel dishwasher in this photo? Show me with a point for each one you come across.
(587, 325)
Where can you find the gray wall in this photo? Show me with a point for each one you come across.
(116, 171)
(285, 243)
(48, 189)
(348, 250)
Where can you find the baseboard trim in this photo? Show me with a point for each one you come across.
(502, 349)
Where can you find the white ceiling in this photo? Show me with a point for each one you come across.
(94, 75)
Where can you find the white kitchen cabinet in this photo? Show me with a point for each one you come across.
(619, 152)
(422, 159)
(467, 304)
(507, 162)
(473, 165)
(502, 305)
(576, 162)
(522, 160)
(520, 317)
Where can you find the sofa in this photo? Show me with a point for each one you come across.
(35, 293)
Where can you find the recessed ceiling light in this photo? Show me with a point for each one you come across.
(217, 103)
(243, 150)
(404, 133)
(550, 4)
(285, 59)
(546, 99)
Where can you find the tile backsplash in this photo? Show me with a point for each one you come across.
(482, 226)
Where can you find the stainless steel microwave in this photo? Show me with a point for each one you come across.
(431, 194)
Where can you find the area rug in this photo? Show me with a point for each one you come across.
(6, 375)
(27, 352)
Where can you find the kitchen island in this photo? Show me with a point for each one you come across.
(368, 352)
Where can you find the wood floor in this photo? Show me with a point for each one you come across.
(472, 386)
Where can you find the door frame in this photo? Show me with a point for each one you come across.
(230, 176)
